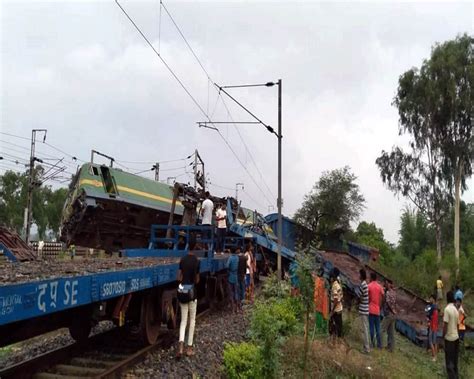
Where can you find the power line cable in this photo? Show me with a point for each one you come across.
(219, 95)
(187, 91)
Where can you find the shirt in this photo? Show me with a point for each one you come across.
(189, 266)
(248, 254)
(336, 296)
(458, 295)
(207, 208)
(434, 319)
(439, 284)
(375, 298)
(364, 299)
(462, 318)
(233, 267)
(391, 300)
(451, 317)
(221, 224)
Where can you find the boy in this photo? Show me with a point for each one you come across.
(432, 316)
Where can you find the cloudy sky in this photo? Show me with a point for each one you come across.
(82, 71)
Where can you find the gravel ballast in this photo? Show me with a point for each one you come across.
(212, 331)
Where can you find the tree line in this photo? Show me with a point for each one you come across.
(436, 111)
(47, 203)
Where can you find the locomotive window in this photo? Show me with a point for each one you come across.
(108, 181)
(93, 170)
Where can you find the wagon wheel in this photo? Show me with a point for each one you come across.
(169, 309)
(150, 318)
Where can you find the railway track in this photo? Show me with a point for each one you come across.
(105, 355)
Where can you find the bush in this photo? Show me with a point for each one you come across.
(272, 321)
(242, 361)
(274, 288)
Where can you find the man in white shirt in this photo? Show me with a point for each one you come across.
(207, 208)
(221, 218)
(451, 336)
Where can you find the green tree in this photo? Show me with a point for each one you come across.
(333, 203)
(415, 234)
(451, 84)
(47, 203)
(370, 235)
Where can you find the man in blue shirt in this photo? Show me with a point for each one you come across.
(233, 280)
(458, 295)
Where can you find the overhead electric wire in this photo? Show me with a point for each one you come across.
(187, 91)
(14, 135)
(219, 95)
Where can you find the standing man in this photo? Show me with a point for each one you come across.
(233, 279)
(207, 208)
(439, 289)
(458, 295)
(221, 219)
(364, 309)
(432, 315)
(375, 301)
(451, 336)
(241, 271)
(335, 321)
(188, 278)
(390, 314)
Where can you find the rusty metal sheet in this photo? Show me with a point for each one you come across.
(12, 241)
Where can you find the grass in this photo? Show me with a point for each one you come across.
(345, 360)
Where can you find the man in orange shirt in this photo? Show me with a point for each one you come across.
(376, 294)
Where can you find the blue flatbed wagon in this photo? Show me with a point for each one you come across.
(41, 296)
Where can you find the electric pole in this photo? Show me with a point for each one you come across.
(31, 183)
(237, 190)
(279, 200)
(157, 172)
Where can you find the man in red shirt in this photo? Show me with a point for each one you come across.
(375, 301)
(432, 314)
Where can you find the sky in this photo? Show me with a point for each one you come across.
(83, 72)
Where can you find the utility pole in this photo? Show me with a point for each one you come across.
(279, 200)
(31, 183)
(237, 190)
(195, 168)
(157, 172)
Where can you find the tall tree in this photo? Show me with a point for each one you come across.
(451, 75)
(333, 203)
(415, 234)
(435, 108)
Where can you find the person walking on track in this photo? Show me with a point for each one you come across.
(188, 278)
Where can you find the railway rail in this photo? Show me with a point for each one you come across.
(100, 357)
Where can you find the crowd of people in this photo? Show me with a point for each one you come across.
(377, 308)
(378, 312)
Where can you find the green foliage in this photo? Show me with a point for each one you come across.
(415, 234)
(273, 288)
(272, 321)
(418, 275)
(333, 203)
(242, 361)
(369, 235)
(47, 203)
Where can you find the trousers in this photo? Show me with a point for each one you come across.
(374, 325)
(389, 322)
(365, 331)
(451, 354)
(187, 308)
(220, 239)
